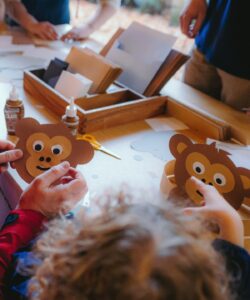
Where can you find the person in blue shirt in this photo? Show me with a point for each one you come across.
(39, 16)
(220, 60)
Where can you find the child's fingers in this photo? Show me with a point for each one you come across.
(10, 155)
(203, 188)
(50, 177)
(192, 210)
(6, 145)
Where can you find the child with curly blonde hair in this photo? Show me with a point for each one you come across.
(139, 252)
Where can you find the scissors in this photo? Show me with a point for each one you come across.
(96, 145)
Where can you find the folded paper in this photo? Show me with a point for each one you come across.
(54, 70)
(73, 85)
(212, 166)
(47, 145)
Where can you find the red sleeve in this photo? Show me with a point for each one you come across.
(21, 226)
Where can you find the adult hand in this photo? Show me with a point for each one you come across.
(8, 153)
(218, 209)
(44, 30)
(77, 33)
(57, 190)
(192, 17)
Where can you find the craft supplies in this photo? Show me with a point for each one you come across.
(13, 110)
(96, 145)
(70, 119)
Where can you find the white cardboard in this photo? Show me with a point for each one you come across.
(73, 85)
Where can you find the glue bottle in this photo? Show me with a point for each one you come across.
(71, 119)
(13, 110)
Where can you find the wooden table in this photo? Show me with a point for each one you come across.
(140, 170)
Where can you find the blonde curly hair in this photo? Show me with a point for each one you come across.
(129, 251)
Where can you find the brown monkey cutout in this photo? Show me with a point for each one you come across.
(47, 145)
(210, 165)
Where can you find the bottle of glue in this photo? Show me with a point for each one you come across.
(71, 119)
(13, 110)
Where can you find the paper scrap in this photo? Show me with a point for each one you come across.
(19, 62)
(45, 53)
(5, 40)
(155, 143)
(166, 124)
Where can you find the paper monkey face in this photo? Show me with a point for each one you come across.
(216, 174)
(210, 165)
(47, 145)
(46, 152)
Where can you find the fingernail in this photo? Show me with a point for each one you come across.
(18, 153)
(65, 165)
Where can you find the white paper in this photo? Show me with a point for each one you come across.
(166, 124)
(20, 62)
(73, 85)
(140, 51)
(45, 53)
(15, 48)
(5, 40)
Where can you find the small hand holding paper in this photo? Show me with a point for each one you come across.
(216, 208)
(77, 34)
(47, 145)
(8, 154)
(54, 191)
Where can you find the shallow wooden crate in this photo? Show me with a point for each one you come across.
(97, 111)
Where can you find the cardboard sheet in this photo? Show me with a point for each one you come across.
(93, 66)
(140, 51)
(165, 124)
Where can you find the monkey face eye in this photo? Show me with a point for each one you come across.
(57, 149)
(198, 168)
(38, 146)
(220, 179)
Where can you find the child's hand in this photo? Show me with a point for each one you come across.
(8, 154)
(57, 190)
(77, 33)
(44, 30)
(217, 208)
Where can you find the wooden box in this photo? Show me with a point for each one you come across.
(118, 106)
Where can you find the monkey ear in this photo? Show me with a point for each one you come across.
(25, 126)
(178, 143)
(245, 178)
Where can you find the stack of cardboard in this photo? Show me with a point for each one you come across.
(94, 67)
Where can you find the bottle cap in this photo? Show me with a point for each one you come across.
(14, 96)
(71, 110)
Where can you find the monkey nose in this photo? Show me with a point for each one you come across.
(203, 180)
(41, 158)
(48, 159)
(210, 183)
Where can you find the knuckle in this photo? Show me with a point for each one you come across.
(55, 171)
(37, 183)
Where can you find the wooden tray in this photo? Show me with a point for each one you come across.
(97, 111)
(112, 108)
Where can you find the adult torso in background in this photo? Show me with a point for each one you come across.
(224, 36)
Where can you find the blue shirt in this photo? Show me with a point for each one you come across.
(54, 11)
(224, 37)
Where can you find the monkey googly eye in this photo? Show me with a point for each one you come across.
(198, 168)
(38, 146)
(219, 179)
(57, 149)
